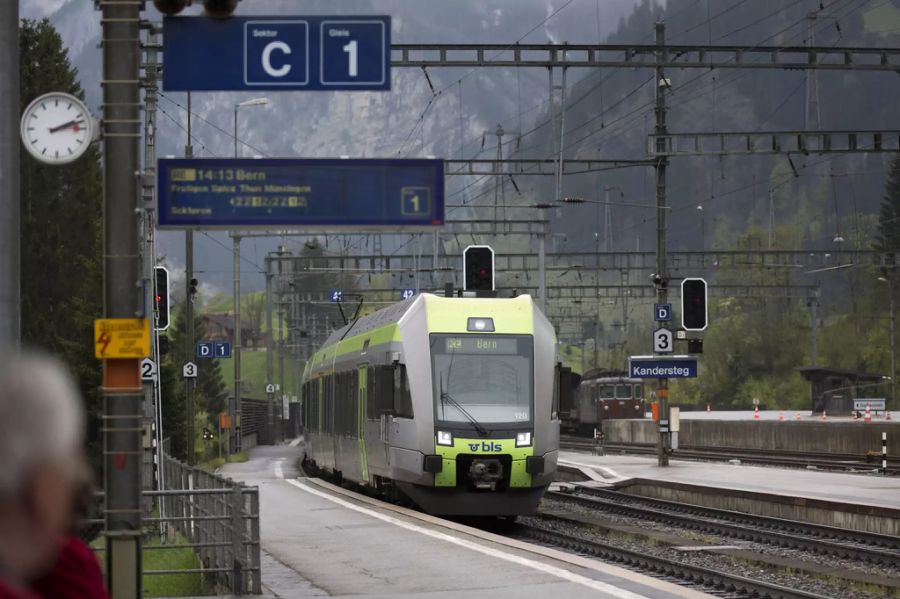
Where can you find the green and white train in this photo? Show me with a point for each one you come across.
(449, 402)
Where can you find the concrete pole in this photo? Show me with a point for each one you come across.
(813, 303)
(270, 411)
(607, 220)
(661, 267)
(10, 309)
(542, 270)
(236, 352)
(283, 312)
(893, 348)
(122, 288)
(151, 387)
(190, 383)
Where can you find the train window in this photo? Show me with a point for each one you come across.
(554, 405)
(639, 392)
(623, 391)
(340, 405)
(372, 391)
(329, 421)
(606, 391)
(401, 394)
(353, 378)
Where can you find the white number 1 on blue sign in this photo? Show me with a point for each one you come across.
(352, 50)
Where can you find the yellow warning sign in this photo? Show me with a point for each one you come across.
(121, 338)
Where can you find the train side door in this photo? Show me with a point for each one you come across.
(362, 390)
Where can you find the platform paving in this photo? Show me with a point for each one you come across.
(317, 542)
(859, 489)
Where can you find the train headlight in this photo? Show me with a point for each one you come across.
(445, 438)
(523, 439)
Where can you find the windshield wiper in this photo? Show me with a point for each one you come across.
(445, 397)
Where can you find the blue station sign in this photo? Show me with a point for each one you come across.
(277, 53)
(285, 192)
(656, 367)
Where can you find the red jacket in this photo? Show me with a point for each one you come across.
(10, 592)
(75, 575)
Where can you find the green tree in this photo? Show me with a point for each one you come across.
(61, 231)
(888, 239)
(210, 392)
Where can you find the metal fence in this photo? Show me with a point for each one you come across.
(217, 518)
(214, 517)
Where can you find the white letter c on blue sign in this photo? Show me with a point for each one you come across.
(267, 59)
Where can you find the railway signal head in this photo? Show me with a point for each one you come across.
(170, 7)
(161, 298)
(192, 289)
(219, 9)
(478, 268)
(694, 313)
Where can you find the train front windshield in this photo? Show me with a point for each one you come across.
(488, 379)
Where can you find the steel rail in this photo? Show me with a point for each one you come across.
(821, 530)
(707, 521)
(661, 567)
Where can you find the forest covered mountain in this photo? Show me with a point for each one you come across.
(823, 203)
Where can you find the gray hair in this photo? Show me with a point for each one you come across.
(41, 417)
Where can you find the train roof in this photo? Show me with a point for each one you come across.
(394, 313)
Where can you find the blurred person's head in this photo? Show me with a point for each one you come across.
(41, 434)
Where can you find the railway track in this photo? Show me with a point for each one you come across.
(789, 534)
(708, 580)
(840, 462)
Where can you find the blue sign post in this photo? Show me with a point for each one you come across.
(336, 295)
(205, 349)
(407, 293)
(662, 312)
(277, 53)
(286, 192)
(658, 367)
(222, 349)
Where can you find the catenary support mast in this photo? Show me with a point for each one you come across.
(122, 289)
(9, 174)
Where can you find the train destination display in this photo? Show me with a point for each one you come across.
(286, 192)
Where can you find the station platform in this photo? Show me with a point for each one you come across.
(788, 415)
(320, 540)
(860, 501)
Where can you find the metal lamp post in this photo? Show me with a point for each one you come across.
(236, 239)
(893, 342)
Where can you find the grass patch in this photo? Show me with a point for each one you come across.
(170, 585)
(165, 585)
(215, 463)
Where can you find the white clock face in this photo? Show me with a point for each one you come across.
(57, 128)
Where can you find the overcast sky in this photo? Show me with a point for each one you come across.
(38, 8)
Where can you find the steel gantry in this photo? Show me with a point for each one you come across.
(645, 55)
(603, 261)
(773, 142)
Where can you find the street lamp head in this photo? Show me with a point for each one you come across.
(254, 102)
(883, 280)
(573, 200)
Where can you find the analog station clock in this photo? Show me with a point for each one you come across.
(57, 128)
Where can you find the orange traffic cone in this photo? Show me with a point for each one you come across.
(824, 415)
(756, 412)
(781, 416)
(868, 416)
(797, 416)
